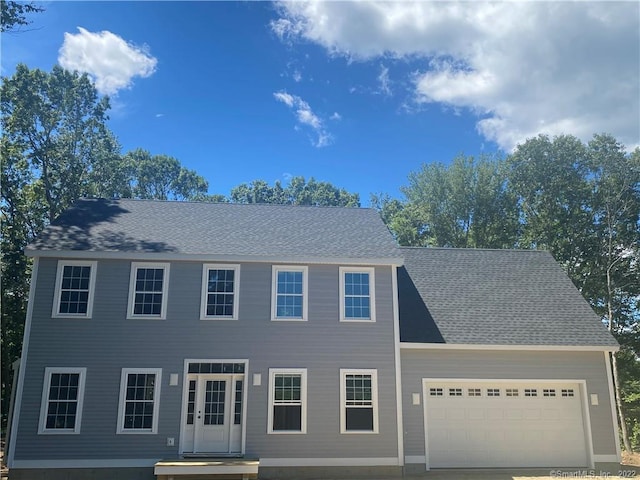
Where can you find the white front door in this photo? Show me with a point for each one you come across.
(214, 406)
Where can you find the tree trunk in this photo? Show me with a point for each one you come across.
(614, 364)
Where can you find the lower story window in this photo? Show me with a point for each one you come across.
(287, 401)
(139, 399)
(358, 401)
(62, 398)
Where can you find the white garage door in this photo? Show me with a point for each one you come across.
(498, 424)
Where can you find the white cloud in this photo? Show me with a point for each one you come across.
(297, 76)
(384, 83)
(107, 58)
(335, 116)
(522, 67)
(305, 116)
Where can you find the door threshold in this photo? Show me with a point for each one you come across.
(212, 455)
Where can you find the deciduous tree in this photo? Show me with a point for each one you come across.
(14, 14)
(297, 192)
(464, 204)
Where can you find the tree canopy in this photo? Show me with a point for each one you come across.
(580, 201)
(14, 14)
(297, 192)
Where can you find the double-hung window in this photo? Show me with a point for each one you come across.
(75, 285)
(357, 298)
(287, 400)
(148, 290)
(220, 292)
(289, 293)
(62, 397)
(358, 401)
(139, 400)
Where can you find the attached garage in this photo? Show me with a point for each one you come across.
(504, 423)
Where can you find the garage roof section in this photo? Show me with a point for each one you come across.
(493, 297)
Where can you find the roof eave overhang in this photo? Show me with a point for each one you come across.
(206, 257)
(510, 347)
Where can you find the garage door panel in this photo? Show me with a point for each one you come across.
(455, 414)
(514, 414)
(501, 424)
(532, 414)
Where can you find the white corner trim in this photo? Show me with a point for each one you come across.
(397, 360)
(414, 459)
(612, 402)
(23, 365)
(329, 462)
(464, 346)
(87, 463)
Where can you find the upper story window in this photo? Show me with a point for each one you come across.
(139, 400)
(75, 285)
(287, 400)
(148, 290)
(62, 397)
(357, 294)
(289, 293)
(220, 292)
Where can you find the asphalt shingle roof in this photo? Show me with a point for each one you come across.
(190, 228)
(493, 297)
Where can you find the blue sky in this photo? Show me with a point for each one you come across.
(358, 94)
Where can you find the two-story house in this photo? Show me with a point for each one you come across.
(164, 337)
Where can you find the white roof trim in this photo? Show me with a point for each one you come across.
(460, 346)
(202, 257)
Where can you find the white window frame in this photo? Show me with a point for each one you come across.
(55, 311)
(303, 399)
(205, 280)
(132, 289)
(274, 292)
(343, 400)
(372, 293)
(44, 406)
(123, 394)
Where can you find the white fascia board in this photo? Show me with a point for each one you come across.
(203, 257)
(464, 346)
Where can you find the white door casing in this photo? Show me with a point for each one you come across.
(506, 423)
(212, 419)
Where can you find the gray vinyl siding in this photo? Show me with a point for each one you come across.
(109, 342)
(588, 366)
